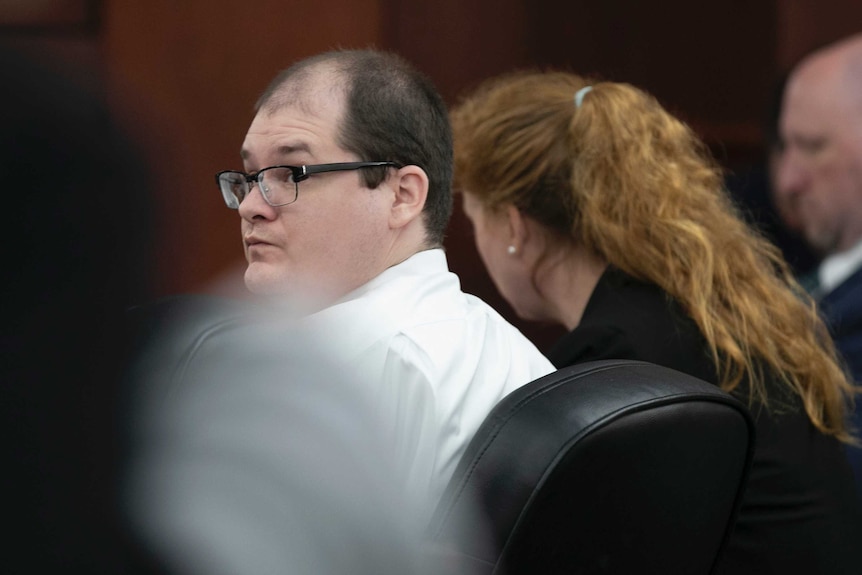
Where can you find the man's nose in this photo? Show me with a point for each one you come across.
(253, 206)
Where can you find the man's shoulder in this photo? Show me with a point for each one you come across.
(846, 297)
(419, 316)
(456, 343)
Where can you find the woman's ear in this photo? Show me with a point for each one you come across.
(410, 185)
(519, 232)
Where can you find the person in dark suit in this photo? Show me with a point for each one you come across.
(596, 209)
(820, 174)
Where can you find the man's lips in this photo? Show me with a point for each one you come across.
(252, 241)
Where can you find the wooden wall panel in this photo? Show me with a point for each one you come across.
(712, 63)
(804, 25)
(62, 31)
(43, 14)
(455, 42)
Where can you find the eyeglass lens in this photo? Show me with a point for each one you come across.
(276, 184)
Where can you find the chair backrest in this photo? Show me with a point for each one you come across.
(603, 467)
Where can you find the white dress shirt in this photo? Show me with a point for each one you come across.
(439, 360)
(837, 268)
(321, 444)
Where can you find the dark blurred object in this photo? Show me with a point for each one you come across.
(75, 253)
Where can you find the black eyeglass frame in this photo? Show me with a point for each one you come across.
(300, 173)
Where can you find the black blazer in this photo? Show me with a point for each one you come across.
(842, 311)
(799, 512)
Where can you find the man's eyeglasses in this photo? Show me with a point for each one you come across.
(279, 185)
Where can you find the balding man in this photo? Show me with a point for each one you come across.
(820, 175)
(344, 199)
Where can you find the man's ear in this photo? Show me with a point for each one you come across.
(410, 185)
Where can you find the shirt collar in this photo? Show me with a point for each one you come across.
(426, 262)
(838, 267)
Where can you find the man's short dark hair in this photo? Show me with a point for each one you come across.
(393, 112)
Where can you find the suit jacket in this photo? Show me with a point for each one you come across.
(799, 513)
(842, 311)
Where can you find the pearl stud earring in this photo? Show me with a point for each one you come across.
(512, 250)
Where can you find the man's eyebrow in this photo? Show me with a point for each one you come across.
(282, 150)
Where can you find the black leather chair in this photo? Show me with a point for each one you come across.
(604, 467)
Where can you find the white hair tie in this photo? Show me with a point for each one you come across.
(579, 95)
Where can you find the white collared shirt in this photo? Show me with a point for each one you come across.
(838, 267)
(440, 359)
